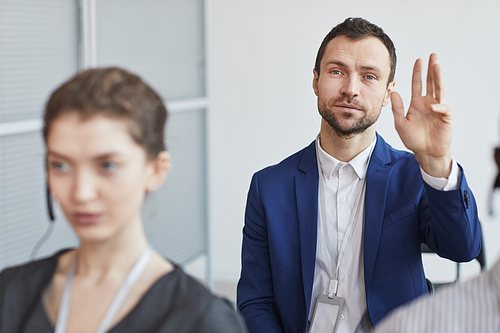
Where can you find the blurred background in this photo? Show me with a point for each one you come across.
(236, 76)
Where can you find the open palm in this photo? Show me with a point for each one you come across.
(427, 127)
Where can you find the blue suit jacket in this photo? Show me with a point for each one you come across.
(401, 212)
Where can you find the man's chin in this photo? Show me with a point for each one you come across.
(347, 130)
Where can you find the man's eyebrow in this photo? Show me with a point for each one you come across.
(369, 68)
(372, 68)
(335, 62)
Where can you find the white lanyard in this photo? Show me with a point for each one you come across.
(118, 300)
(333, 286)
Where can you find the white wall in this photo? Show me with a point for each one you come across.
(261, 55)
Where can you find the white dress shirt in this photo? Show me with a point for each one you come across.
(344, 187)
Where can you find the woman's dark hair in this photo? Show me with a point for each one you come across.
(116, 93)
(358, 28)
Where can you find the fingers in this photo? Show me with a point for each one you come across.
(435, 86)
(397, 107)
(438, 83)
(416, 79)
(440, 108)
(430, 74)
(444, 112)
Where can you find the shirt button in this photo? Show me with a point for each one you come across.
(342, 316)
(343, 277)
(343, 199)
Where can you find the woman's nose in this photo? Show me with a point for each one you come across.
(84, 188)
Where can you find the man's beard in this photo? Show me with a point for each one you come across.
(358, 126)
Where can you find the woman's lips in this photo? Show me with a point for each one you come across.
(87, 219)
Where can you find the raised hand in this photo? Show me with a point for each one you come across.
(427, 127)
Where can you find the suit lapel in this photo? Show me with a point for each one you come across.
(306, 194)
(377, 181)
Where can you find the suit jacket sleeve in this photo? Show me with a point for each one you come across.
(255, 288)
(453, 232)
(401, 212)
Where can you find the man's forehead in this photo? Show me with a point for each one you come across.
(364, 52)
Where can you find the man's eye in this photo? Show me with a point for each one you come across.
(59, 166)
(370, 77)
(335, 72)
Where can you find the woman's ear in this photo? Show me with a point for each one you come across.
(160, 166)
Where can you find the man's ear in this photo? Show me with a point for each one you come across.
(315, 81)
(389, 90)
(160, 166)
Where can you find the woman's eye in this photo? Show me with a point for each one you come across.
(109, 166)
(59, 166)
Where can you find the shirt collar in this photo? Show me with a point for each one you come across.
(359, 163)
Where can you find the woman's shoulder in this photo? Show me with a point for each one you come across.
(20, 288)
(220, 316)
(32, 272)
(185, 286)
(179, 303)
(211, 313)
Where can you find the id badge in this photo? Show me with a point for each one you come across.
(326, 314)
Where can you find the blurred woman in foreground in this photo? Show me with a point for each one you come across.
(104, 134)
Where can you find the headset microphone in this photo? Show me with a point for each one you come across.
(48, 232)
(50, 205)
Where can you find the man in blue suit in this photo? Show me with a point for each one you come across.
(343, 219)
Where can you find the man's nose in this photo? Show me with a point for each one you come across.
(350, 87)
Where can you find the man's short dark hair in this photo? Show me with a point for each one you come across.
(358, 28)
